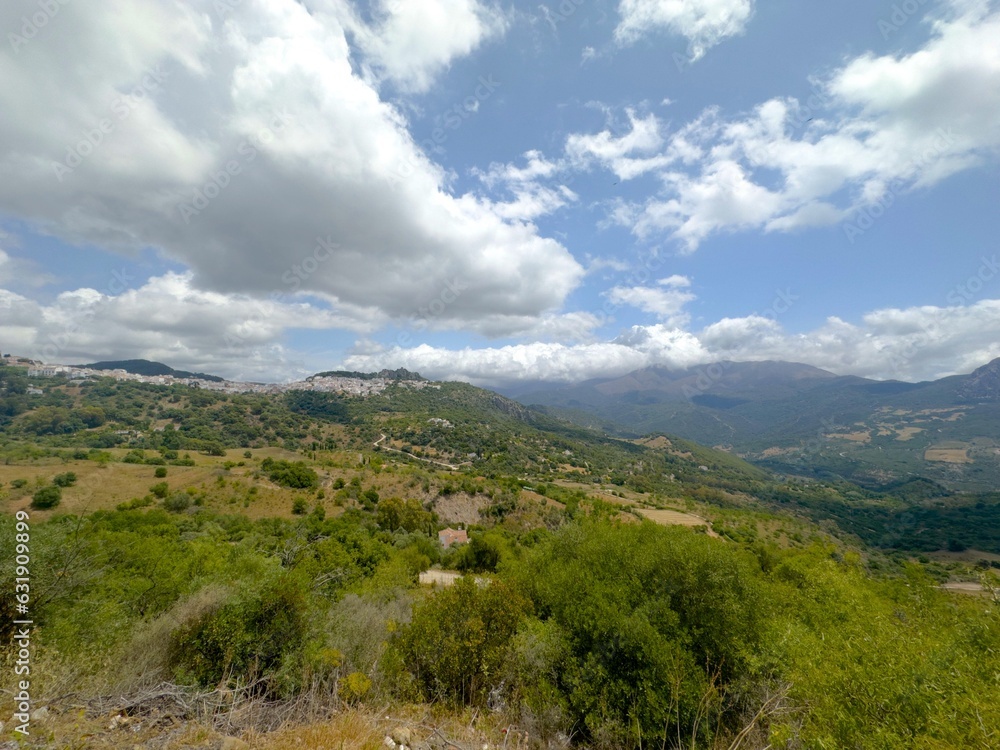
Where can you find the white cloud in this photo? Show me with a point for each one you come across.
(919, 343)
(704, 23)
(877, 127)
(411, 43)
(167, 319)
(259, 109)
(666, 300)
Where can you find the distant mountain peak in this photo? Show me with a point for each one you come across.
(983, 384)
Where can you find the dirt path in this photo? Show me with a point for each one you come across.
(452, 467)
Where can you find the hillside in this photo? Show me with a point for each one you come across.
(798, 419)
(211, 565)
(146, 367)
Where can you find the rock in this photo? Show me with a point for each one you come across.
(435, 740)
(234, 743)
(389, 742)
(40, 714)
(401, 735)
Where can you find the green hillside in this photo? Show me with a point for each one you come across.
(796, 419)
(205, 559)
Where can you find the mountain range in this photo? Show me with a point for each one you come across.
(799, 419)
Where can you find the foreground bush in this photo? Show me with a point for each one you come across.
(644, 630)
(245, 639)
(458, 641)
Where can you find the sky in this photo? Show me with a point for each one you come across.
(501, 192)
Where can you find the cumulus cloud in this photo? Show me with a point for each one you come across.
(167, 319)
(411, 43)
(239, 139)
(877, 127)
(704, 23)
(918, 343)
(666, 300)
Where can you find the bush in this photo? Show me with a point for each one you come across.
(64, 480)
(161, 471)
(245, 639)
(46, 497)
(19, 483)
(178, 502)
(299, 506)
(160, 489)
(288, 474)
(459, 639)
(630, 607)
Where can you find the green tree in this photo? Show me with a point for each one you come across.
(46, 497)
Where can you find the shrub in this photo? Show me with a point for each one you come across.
(161, 471)
(632, 606)
(178, 502)
(160, 489)
(299, 506)
(46, 497)
(246, 638)
(458, 641)
(290, 474)
(19, 483)
(355, 687)
(64, 480)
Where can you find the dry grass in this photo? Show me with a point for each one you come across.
(855, 437)
(676, 518)
(948, 455)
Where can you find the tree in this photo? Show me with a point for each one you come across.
(46, 497)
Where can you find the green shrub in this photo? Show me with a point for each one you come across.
(161, 471)
(290, 474)
(299, 506)
(160, 489)
(458, 641)
(246, 638)
(652, 625)
(46, 497)
(178, 502)
(64, 480)
(19, 483)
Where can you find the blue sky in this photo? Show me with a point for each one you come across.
(502, 192)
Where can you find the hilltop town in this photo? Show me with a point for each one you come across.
(347, 384)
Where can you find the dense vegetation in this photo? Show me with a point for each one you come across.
(576, 621)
